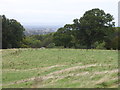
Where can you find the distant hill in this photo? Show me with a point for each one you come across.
(39, 30)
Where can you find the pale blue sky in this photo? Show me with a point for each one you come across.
(53, 12)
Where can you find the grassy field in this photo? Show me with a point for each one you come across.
(59, 68)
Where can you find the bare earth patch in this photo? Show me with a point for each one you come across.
(56, 73)
(22, 70)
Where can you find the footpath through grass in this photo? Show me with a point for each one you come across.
(60, 68)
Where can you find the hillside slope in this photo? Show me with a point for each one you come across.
(60, 68)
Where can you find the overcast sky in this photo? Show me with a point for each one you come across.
(53, 12)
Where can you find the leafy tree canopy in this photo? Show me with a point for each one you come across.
(12, 33)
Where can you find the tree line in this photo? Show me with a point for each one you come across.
(95, 29)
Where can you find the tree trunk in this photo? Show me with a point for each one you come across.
(88, 45)
(65, 47)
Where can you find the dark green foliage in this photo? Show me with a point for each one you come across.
(99, 45)
(37, 41)
(63, 37)
(113, 41)
(94, 26)
(30, 42)
(51, 45)
(12, 33)
(95, 29)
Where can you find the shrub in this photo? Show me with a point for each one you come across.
(51, 45)
(99, 45)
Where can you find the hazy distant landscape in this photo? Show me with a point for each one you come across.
(40, 30)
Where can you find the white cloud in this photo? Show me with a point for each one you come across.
(53, 10)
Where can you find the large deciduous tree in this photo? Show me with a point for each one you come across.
(95, 25)
(63, 37)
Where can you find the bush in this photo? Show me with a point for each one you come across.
(51, 45)
(25, 46)
(99, 45)
(114, 43)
